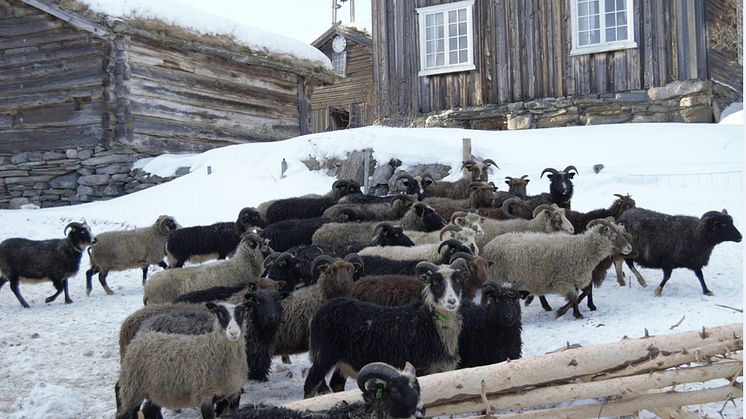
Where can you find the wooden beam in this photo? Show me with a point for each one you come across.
(73, 19)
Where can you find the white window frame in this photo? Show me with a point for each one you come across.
(603, 45)
(445, 8)
(343, 55)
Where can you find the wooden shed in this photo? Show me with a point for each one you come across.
(70, 77)
(433, 55)
(349, 102)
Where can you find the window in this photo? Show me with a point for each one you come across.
(602, 25)
(446, 39)
(339, 62)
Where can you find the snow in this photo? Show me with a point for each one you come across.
(62, 360)
(733, 114)
(206, 23)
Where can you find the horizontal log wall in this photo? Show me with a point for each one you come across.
(522, 52)
(50, 82)
(188, 101)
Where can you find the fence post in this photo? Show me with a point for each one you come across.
(466, 155)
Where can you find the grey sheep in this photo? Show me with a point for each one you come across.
(178, 371)
(554, 263)
(546, 219)
(479, 196)
(430, 252)
(244, 267)
(393, 210)
(459, 218)
(459, 189)
(129, 249)
(668, 242)
(55, 260)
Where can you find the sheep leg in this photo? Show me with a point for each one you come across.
(701, 278)
(60, 286)
(619, 271)
(338, 380)
(572, 301)
(102, 279)
(316, 375)
(144, 274)
(89, 279)
(666, 277)
(14, 287)
(163, 264)
(588, 291)
(2, 281)
(528, 300)
(151, 410)
(631, 264)
(208, 410)
(544, 304)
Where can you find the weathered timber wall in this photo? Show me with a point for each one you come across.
(353, 93)
(50, 82)
(522, 52)
(723, 63)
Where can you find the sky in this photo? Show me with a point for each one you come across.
(61, 361)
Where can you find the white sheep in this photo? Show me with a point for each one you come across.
(546, 219)
(178, 371)
(431, 251)
(245, 266)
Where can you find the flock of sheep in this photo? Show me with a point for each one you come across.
(372, 287)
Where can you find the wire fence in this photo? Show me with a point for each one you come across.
(725, 179)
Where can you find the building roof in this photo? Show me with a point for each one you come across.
(348, 32)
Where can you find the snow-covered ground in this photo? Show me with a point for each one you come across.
(61, 361)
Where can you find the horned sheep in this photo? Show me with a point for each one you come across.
(308, 206)
(55, 260)
(129, 249)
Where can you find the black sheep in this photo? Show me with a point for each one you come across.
(309, 206)
(424, 332)
(217, 240)
(668, 242)
(491, 332)
(55, 260)
(560, 188)
(287, 234)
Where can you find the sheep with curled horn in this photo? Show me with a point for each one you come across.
(431, 252)
(413, 185)
(546, 219)
(459, 189)
(480, 195)
(55, 260)
(516, 187)
(513, 207)
(393, 210)
(460, 218)
(555, 263)
(560, 188)
(308, 206)
(129, 249)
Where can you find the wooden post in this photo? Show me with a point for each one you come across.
(466, 155)
(366, 168)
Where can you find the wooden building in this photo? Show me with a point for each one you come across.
(349, 102)
(72, 78)
(430, 56)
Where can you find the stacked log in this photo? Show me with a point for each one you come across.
(611, 379)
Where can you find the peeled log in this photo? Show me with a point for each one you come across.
(461, 385)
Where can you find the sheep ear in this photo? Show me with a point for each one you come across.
(724, 211)
(212, 307)
(425, 277)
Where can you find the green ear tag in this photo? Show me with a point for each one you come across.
(379, 393)
(440, 316)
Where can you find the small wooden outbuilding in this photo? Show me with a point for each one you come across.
(349, 102)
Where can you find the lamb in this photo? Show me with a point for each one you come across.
(375, 211)
(298, 309)
(491, 331)
(178, 371)
(244, 267)
(129, 249)
(387, 393)
(516, 188)
(215, 241)
(309, 206)
(353, 333)
(419, 217)
(554, 263)
(55, 260)
(668, 242)
(546, 219)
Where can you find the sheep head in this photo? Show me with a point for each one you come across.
(719, 226)
(344, 187)
(80, 234)
(561, 182)
(249, 216)
(335, 275)
(517, 185)
(621, 204)
(399, 390)
(614, 233)
(166, 224)
(386, 234)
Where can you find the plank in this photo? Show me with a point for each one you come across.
(62, 115)
(33, 71)
(158, 127)
(74, 79)
(647, 45)
(502, 54)
(45, 139)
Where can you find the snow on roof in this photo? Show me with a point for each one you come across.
(206, 23)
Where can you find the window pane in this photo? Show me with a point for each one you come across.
(439, 18)
(621, 18)
(610, 19)
(462, 15)
(453, 57)
(593, 9)
(596, 22)
(610, 6)
(440, 32)
(441, 45)
(584, 38)
(583, 24)
(621, 33)
(595, 37)
(452, 43)
(451, 15)
(610, 35)
(440, 60)
(452, 30)
(462, 28)
(429, 34)
(429, 19)
(583, 9)
(621, 5)
(462, 56)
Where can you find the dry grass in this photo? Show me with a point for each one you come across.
(726, 34)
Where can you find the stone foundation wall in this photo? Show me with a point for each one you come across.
(679, 101)
(72, 176)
